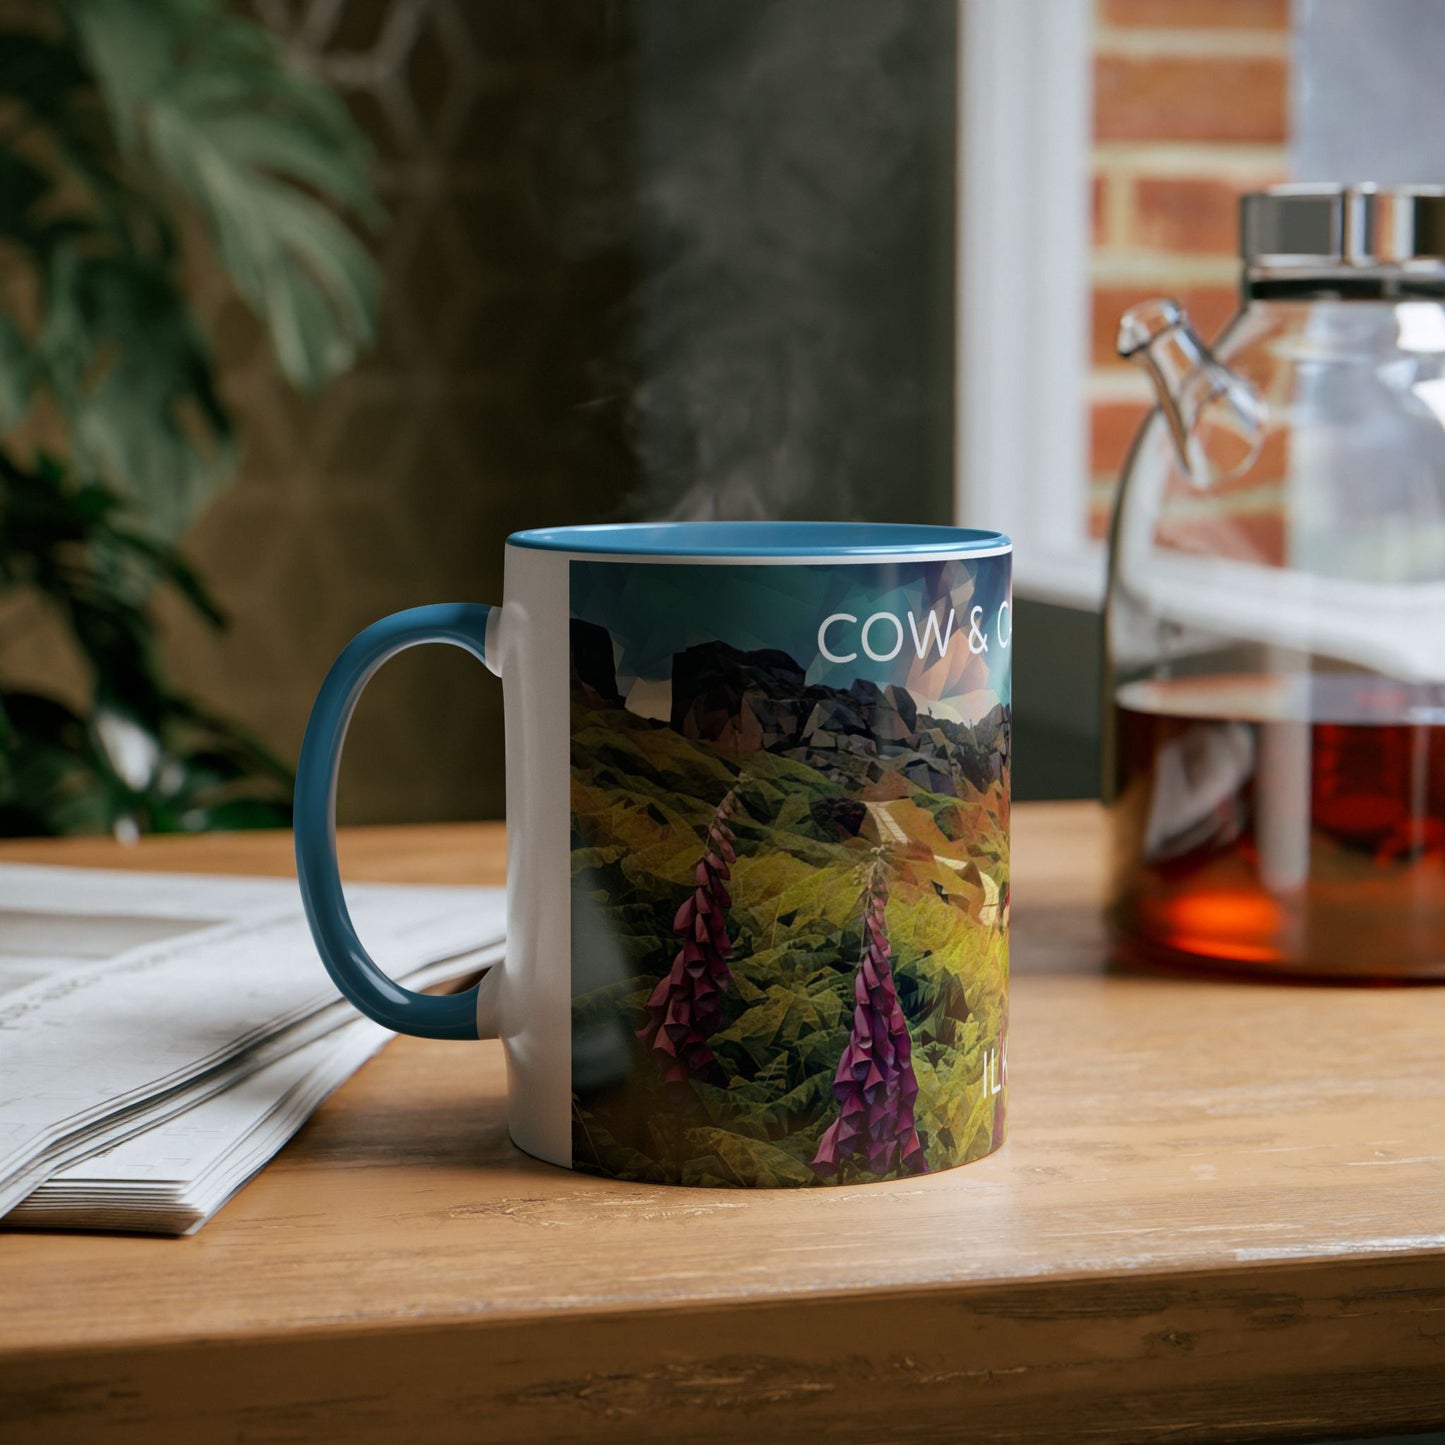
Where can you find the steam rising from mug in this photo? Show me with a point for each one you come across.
(789, 335)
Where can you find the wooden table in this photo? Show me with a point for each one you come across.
(1221, 1213)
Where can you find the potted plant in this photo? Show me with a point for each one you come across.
(131, 130)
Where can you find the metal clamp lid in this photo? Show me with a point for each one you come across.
(1327, 227)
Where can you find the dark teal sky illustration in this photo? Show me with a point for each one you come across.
(655, 610)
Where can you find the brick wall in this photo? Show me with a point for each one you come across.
(1190, 110)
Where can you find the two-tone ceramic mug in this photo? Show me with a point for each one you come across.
(758, 847)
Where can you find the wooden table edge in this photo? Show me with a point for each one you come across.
(1283, 1349)
(1182, 1280)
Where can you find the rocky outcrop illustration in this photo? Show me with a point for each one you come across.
(760, 701)
(739, 700)
(685, 1009)
(875, 1085)
(592, 661)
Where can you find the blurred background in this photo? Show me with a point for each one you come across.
(309, 303)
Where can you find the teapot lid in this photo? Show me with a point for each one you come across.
(1311, 228)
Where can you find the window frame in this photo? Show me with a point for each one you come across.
(1025, 127)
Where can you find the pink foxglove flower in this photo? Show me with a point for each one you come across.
(875, 1085)
(685, 1008)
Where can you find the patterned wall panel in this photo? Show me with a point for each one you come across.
(478, 413)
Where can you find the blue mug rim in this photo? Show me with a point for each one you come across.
(761, 539)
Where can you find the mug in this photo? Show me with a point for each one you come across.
(757, 847)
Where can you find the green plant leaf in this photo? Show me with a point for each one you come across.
(17, 371)
(49, 780)
(145, 757)
(207, 99)
(22, 187)
(55, 100)
(135, 378)
(37, 72)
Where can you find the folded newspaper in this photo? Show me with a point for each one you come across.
(161, 1036)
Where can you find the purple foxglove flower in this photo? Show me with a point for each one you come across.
(874, 1085)
(685, 1009)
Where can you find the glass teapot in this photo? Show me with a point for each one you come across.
(1275, 625)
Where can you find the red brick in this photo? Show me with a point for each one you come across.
(1209, 307)
(1198, 14)
(1266, 472)
(1097, 201)
(1112, 428)
(1271, 466)
(1188, 213)
(1195, 98)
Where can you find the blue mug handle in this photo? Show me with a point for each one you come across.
(451, 1016)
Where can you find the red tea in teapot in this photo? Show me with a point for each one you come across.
(1291, 825)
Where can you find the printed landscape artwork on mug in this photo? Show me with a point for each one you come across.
(790, 869)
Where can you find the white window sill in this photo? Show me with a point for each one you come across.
(1074, 578)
